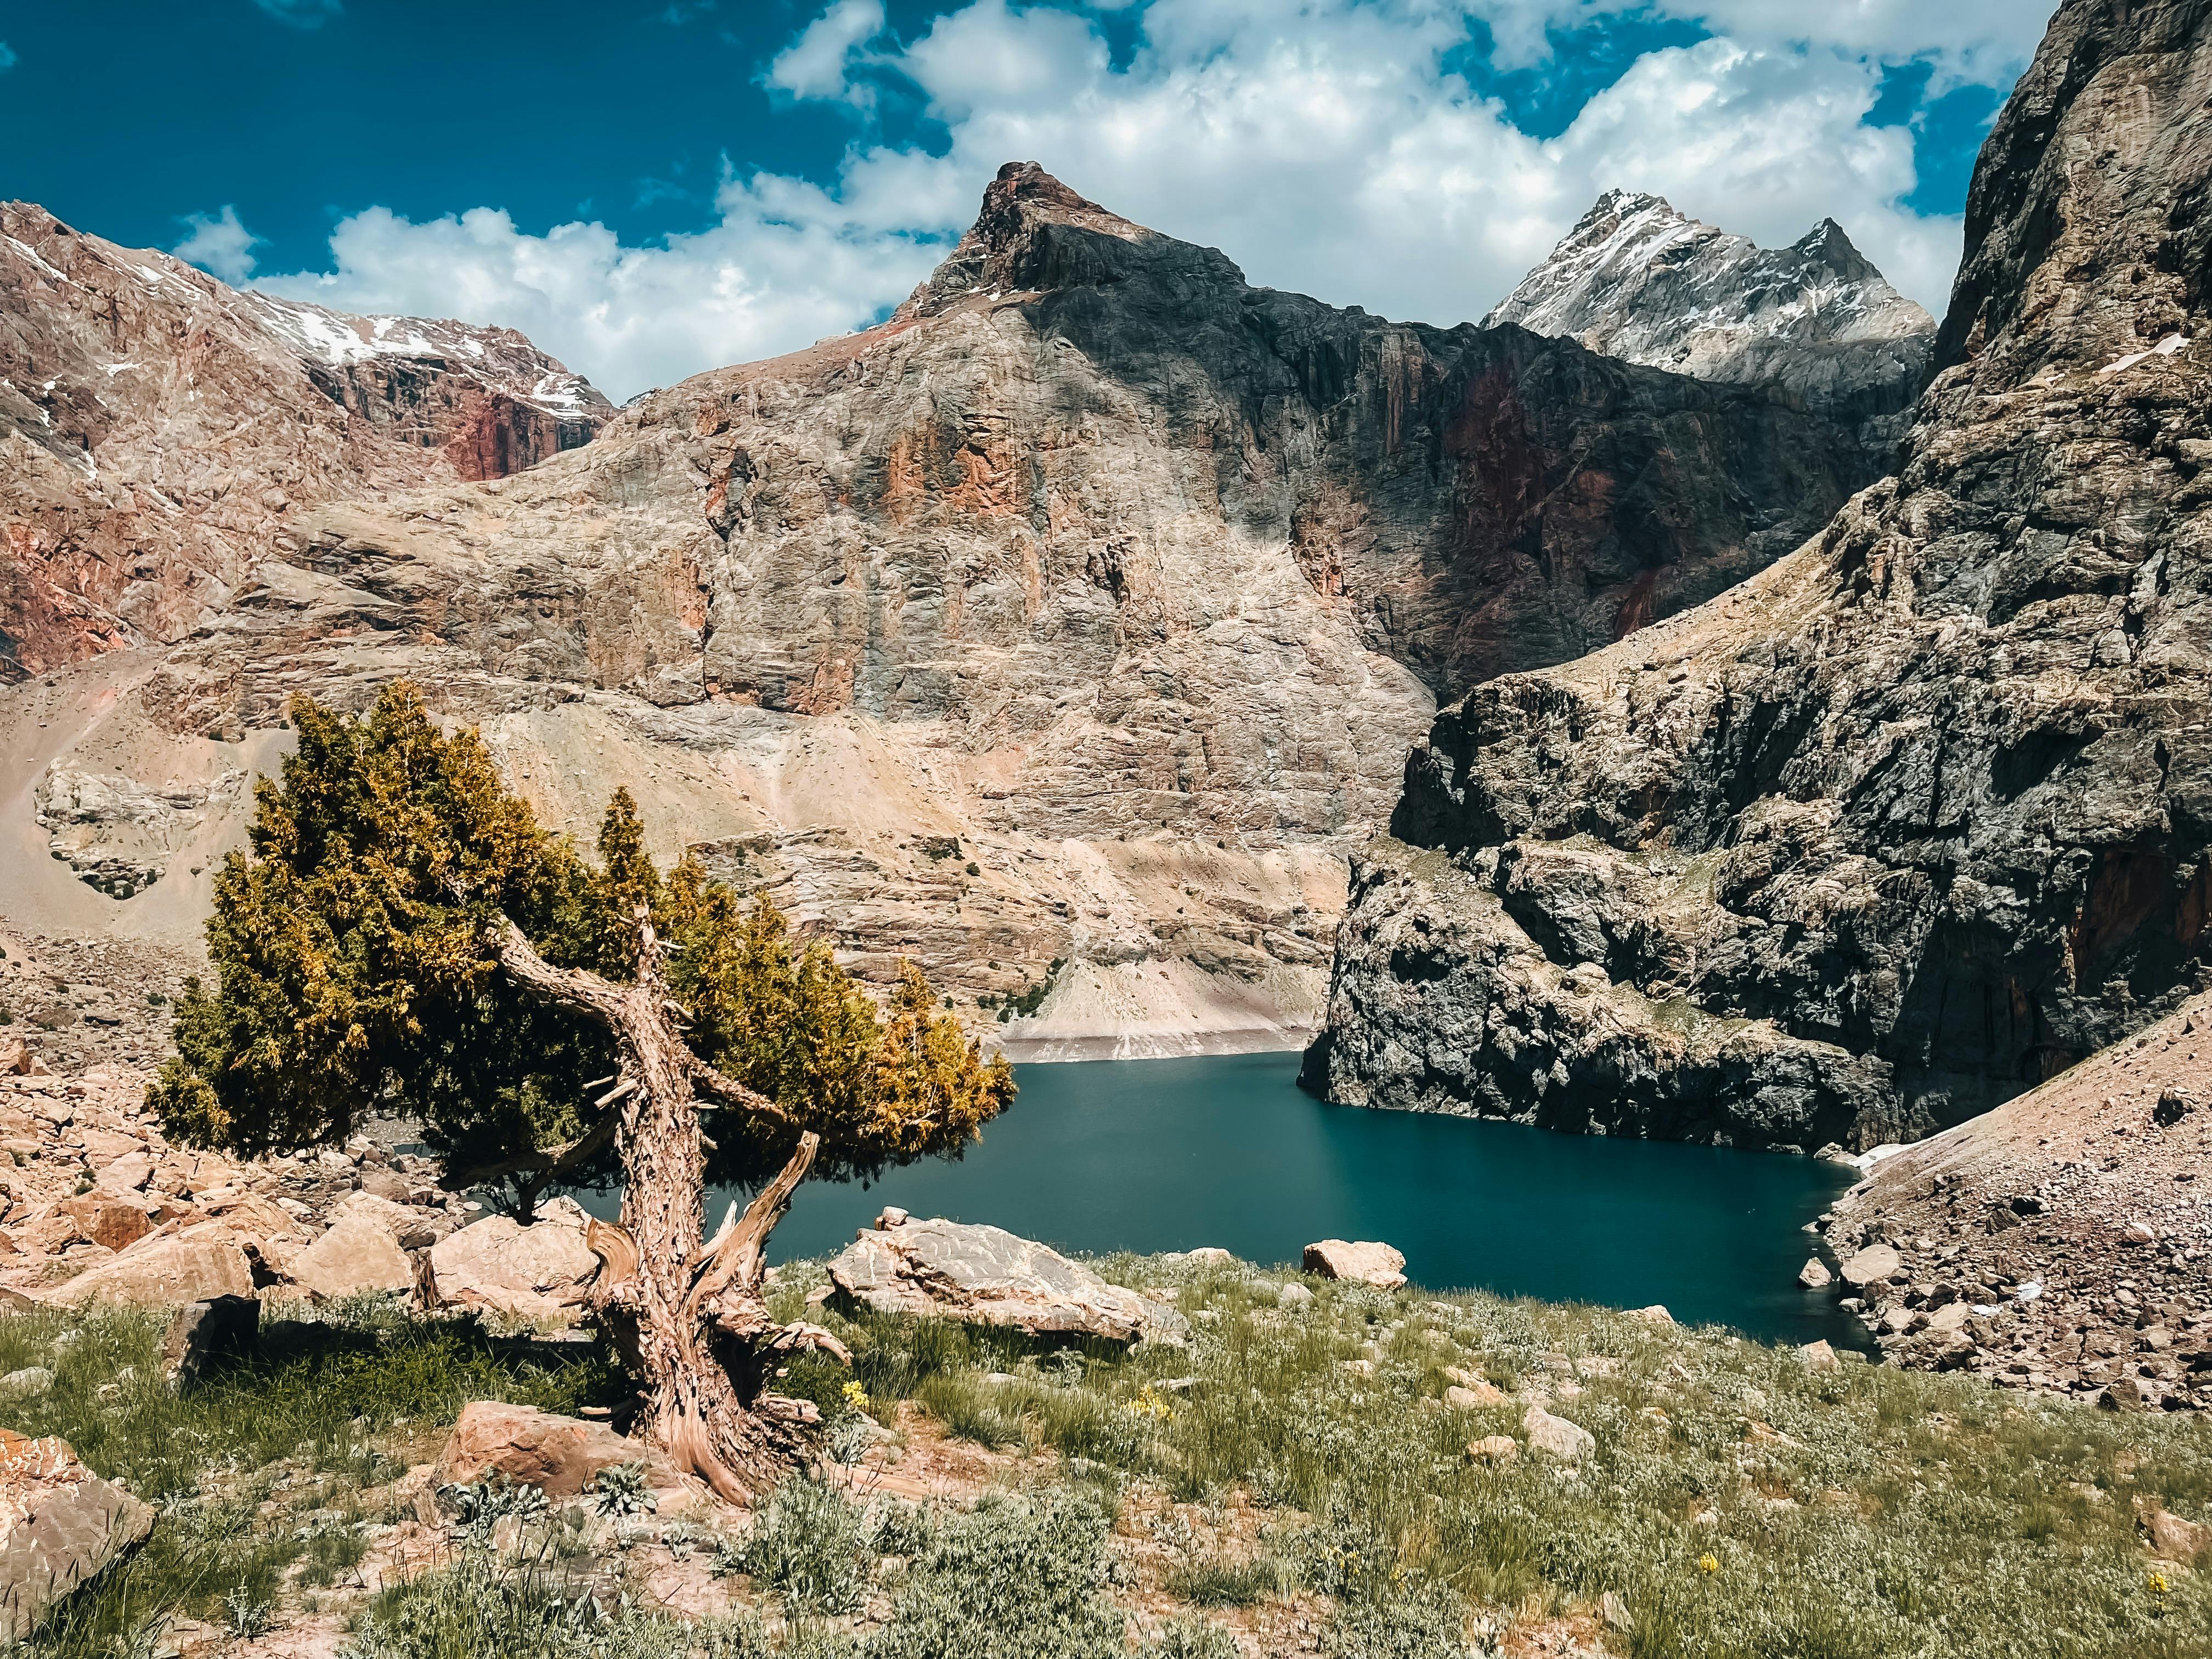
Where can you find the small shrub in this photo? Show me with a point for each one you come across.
(1193, 1639)
(1212, 1582)
(1015, 1580)
(807, 1548)
(622, 1488)
(332, 1551)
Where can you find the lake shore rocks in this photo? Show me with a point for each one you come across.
(61, 1527)
(2062, 1244)
(986, 1275)
(98, 1205)
(1365, 1262)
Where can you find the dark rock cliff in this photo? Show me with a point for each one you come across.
(1916, 817)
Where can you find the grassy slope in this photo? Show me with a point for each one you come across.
(1738, 1503)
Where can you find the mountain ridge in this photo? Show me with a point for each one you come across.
(1916, 817)
(1638, 279)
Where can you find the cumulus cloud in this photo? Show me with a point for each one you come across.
(785, 264)
(1338, 152)
(219, 245)
(816, 65)
(302, 13)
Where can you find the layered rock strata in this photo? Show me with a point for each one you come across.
(158, 428)
(1638, 279)
(1063, 632)
(1918, 816)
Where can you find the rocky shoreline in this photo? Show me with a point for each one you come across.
(2062, 1244)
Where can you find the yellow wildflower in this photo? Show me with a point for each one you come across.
(1709, 1563)
(856, 1396)
(2158, 1584)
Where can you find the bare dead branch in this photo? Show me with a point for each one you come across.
(728, 1091)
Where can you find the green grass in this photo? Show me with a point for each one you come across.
(1739, 1505)
(1858, 1513)
(301, 1429)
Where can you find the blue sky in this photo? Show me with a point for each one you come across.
(654, 189)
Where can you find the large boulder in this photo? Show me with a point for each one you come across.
(409, 1228)
(557, 1454)
(1365, 1262)
(60, 1526)
(157, 1273)
(354, 1256)
(542, 1272)
(107, 1219)
(988, 1276)
(222, 1327)
(1871, 1265)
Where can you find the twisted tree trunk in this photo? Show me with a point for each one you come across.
(688, 1311)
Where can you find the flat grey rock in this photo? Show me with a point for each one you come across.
(988, 1276)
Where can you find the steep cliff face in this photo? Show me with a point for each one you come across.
(1081, 614)
(1639, 280)
(1128, 581)
(1919, 816)
(157, 427)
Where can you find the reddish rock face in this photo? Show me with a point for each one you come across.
(157, 429)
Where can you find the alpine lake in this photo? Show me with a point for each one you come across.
(1156, 1155)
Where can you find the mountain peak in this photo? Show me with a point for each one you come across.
(1638, 278)
(1032, 232)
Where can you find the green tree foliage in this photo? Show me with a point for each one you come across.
(354, 979)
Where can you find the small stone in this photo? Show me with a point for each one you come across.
(1293, 1296)
(1814, 1274)
(32, 1379)
(1556, 1437)
(1614, 1611)
(1656, 1313)
(2139, 1232)
(891, 1216)
(1473, 1399)
(558, 1454)
(1493, 1449)
(1365, 1262)
(1819, 1357)
(2173, 1536)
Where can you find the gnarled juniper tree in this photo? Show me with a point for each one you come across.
(404, 938)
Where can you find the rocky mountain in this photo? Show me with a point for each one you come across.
(1064, 632)
(1639, 280)
(1917, 817)
(158, 428)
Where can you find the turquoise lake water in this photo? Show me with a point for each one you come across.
(1171, 1154)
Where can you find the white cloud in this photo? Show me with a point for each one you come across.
(815, 64)
(1986, 41)
(1321, 144)
(220, 246)
(786, 265)
(302, 13)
